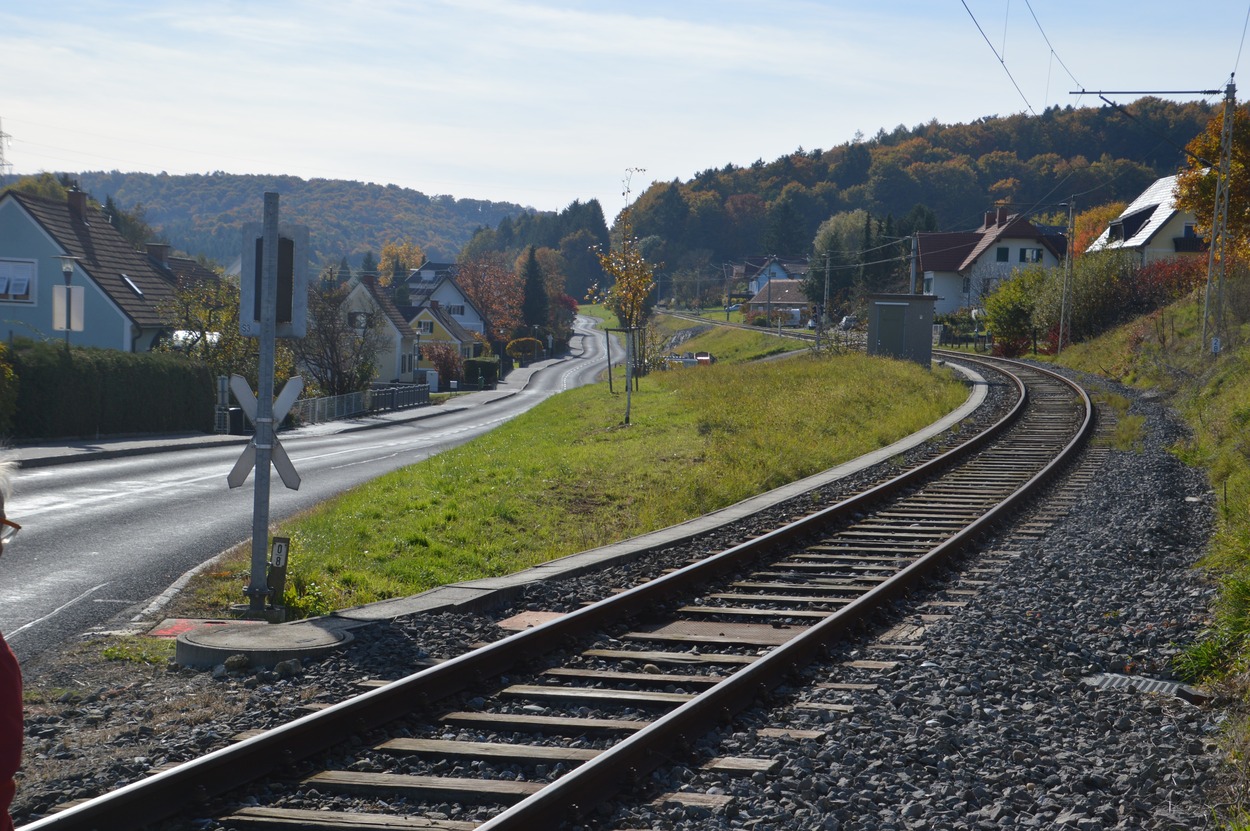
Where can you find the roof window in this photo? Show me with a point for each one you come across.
(131, 284)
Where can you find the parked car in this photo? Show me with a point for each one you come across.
(848, 322)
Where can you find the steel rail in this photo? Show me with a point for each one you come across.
(647, 749)
(167, 793)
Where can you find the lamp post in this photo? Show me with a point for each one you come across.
(416, 356)
(67, 271)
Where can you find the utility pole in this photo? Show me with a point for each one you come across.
(915, 249)
(5, 166)
(1219, 226)
(1067, 277)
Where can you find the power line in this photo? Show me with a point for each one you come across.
(1000, 58)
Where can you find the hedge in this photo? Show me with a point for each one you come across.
(483, 372)
(96, 392)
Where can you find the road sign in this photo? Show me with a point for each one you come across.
(278, 455)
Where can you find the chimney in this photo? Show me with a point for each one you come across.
(1002, 215)
(159, 253)
(989, 219)
(78, 204)
(433, 304)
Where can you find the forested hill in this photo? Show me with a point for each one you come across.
(931, 177)
(203, 214)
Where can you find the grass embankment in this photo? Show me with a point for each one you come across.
(568, 476)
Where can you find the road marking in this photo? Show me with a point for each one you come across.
(58, 609)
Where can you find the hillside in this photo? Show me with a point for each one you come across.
(202, 214)
(931, 177)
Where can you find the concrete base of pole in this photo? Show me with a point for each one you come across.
(207, 646)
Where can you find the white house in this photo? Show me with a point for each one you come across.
(396, 358)
(1152, 226)
(435, 283)
(960, 268)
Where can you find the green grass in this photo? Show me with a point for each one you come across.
(568, 475)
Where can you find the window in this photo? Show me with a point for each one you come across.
(405, 364)
(425, 327)
(1030, 255)
(1004, 254)
(455, 309)
(17, 281)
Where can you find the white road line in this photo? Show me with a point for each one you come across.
(58, 609)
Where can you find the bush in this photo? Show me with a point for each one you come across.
(94, 392)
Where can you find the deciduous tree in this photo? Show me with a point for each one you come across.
(339, 354)
(401, 257)
(630, 276)
(495, 290)
(1195, 186)
(205, 318)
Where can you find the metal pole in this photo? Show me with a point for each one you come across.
(1067, 278)
(258, 588)
(1220, 213)
(913, 262)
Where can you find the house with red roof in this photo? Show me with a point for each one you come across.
(125, 291)
(962, 267)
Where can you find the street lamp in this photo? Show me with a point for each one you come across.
(66, 313)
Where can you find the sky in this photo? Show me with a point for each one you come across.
(541, 102)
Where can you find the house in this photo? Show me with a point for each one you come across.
(757, 271)
(780, 298)
(1152, 227)
(962, 267)
(125, 292)
(435, 324)
(396, 356)
(435, 283)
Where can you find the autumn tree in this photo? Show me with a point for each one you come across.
(1087, 225)
(495, 290)
(1195, 186)
(630, 276)
(399, 258)
(340, 350)
(204, 314)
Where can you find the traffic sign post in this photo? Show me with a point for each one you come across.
(261, 409)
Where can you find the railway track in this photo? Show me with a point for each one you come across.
(595, 699)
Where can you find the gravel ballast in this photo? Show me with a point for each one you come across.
(989, 725)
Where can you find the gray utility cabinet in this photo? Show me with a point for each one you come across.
(901, 326)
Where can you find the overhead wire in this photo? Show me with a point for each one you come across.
(1001, 62)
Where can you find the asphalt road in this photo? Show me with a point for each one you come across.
(101, 539)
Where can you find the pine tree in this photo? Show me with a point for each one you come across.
(534, 301)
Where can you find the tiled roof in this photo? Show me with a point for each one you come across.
(125, 275)
(958, 251)
(382, 298)
(450, 324)
(783, 293)
(945, 251)
(1143, 218)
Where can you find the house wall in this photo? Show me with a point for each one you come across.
(1161, 245)
(104, 323)
(389, 357)
(956, 290)
(448, 294)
